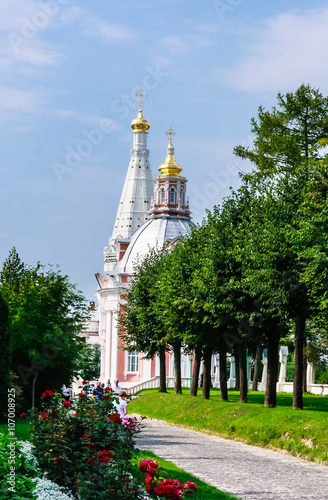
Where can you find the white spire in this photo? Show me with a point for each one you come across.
(133, 208)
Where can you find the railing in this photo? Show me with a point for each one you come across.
(153, 383)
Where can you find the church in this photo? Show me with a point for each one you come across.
(151, 211)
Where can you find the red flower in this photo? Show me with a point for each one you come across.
(169, 488)
(42, 415)
(92, 459)
(107, 389)
(22, 416)
(67, 404)
(190, 486)
(48, 393)
(85, 436)
(91, 445)
(148, 466)
(57, 460)
(115, 417)
(149, 479)
(105, 396)
(85, 382)
(150, 490)
(80, 394)
(105, 456)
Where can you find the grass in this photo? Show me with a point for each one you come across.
(204, 491)
(302, 433)
(22, 430)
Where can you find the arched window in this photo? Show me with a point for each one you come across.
(172, 195)
(162, 195)
(181, 197)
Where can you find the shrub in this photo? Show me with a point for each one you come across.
(86, 448)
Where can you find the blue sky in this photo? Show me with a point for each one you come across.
(71, 68)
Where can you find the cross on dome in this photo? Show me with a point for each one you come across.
(170, 134)
(140, 96)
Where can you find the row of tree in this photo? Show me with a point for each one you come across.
(41, 319)
(256, 267)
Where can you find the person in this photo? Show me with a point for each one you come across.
(122, 404)
(117, 388)
(66, 391)
(108, 384)
(98, 392)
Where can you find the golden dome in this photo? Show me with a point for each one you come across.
(140, 124)
(170, 166)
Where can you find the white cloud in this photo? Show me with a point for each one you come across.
(174, 45)
(107, 33)
(21, 100)
(289, 50)
(91, 119)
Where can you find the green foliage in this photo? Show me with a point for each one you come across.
(302, 434)
(46, 313)
(22, 487)
(86, 448)
(5, 352)
(88, 363)
(289, 134)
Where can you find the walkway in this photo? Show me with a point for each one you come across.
(247, 472)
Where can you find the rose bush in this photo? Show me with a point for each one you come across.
(86, 448)
(157, 486)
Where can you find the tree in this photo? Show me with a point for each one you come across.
(46, 315)
(5, 353)
(286, 136)
(88, 363)
(141, 325)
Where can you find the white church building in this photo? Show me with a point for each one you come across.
(150, 212)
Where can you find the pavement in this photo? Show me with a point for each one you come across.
(247, 472)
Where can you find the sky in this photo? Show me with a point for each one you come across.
(69, 73)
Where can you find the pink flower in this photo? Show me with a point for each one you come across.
(130, 422)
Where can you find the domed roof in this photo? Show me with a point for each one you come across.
(152, 234)
(140, 124)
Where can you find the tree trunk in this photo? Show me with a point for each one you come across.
(223, 373)
(177, 368)
(207, 372)
(195, 371)
(236, 354)
(305, 362)
(298, 376)
(258, 358)
(270, 400)
(162, 369)
(242, 373)
(33, 390)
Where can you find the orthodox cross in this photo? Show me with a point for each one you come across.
(140, 96)
(170, 134)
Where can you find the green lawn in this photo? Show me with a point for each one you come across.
(303, 433)
(204, 491)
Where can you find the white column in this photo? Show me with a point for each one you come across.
(114, 346)
(108, 342)
(217, 371)
(265, 370)
(310, 374)
(232, 376)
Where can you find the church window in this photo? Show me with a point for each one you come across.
(172, 195)
(162, 195)
(133, 361)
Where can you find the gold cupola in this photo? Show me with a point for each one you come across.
(170, 167)
(140, 124)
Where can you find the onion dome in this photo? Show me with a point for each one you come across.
(170, 167)
(140, 124)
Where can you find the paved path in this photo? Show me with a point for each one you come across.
(247, 472)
